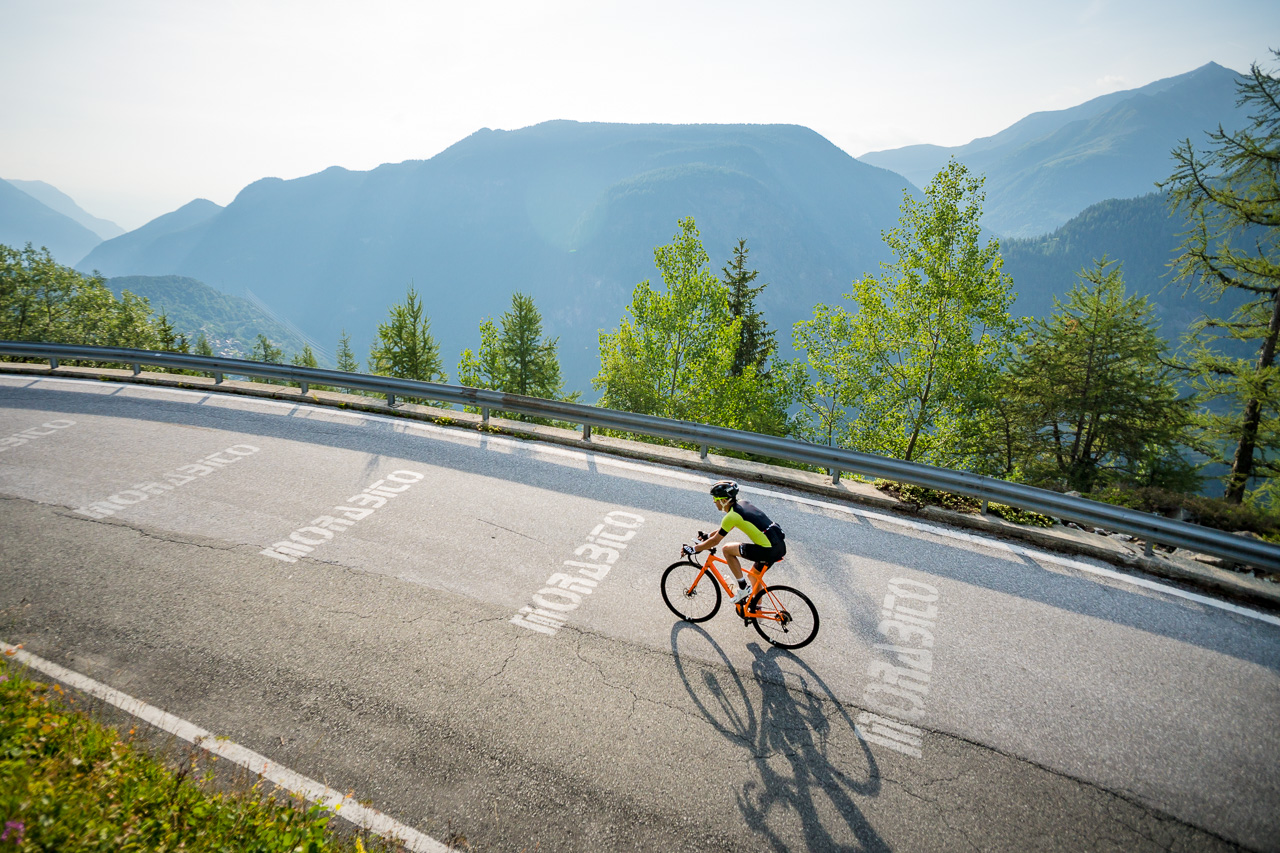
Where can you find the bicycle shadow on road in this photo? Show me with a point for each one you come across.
(808, 769)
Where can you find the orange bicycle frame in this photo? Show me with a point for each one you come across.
(757, 584)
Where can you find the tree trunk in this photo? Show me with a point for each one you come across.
(1242, 465)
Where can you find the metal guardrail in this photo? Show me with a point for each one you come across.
(1146, 526)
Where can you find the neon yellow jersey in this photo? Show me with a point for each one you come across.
(749, 520)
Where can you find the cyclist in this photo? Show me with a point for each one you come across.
(768, 543)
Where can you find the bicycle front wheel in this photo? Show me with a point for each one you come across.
(692, 595)
(787, 617)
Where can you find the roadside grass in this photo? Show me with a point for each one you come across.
(71, 783)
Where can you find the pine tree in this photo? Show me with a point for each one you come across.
(166, 338)
(203, 347)
(346, 358)
(517, 359)
(264, 350)
(531, 364)
(1095, 396)
(405, 347)
(755, 343)
(1231, 192)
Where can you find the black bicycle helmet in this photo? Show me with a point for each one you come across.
(725, 489)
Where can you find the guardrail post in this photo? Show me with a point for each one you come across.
(586, 432)
(702, 452)
(53, 364)
(984, 506)
(137, 368)
(1147, 550)
(484, 416)
(835, 476)
(391, 399)
(304, 387)
(217, 377)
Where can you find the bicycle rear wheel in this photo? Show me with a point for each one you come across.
(692, 598)
(788, 619)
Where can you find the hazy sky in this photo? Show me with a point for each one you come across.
(135, 107)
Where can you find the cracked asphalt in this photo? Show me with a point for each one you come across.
(1062, 711)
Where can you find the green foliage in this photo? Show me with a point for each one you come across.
(517, 359)
(1217, 513)
(924, 343)
(404, 347)
(1231, 193)
(70, 784)
(674, 354)
(1089, 399)
(40, 300)
(194, 308)
(755, 339)
(265, 351)
(203, 347)
(825, 397)
(306, 358)
(346, 358)
(921, 496)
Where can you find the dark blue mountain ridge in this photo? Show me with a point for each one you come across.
(567, 212)
(1046, 168)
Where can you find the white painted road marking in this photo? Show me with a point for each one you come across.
(454, 434)
(297, 784)
(564, 591)
(180, 476)
(20, 438)
(909, 617)
(304, 540)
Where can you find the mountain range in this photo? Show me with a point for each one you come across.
(25, 219)
(1046, 168)
(570, 213)
(567, 213)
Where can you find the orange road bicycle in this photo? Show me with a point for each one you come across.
(785, 617)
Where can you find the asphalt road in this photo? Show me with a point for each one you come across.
(963, 694)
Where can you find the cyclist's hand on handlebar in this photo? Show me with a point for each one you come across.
(687, 549)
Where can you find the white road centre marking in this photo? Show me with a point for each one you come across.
(297, 784)
(684, 476)
(169, 481)
(563, 592)
(361, 505)
(47, 428)
(909, 616)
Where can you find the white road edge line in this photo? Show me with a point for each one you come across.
(299, 785)
(664, 470)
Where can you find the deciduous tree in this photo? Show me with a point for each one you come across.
(674, 353)
(923, 342)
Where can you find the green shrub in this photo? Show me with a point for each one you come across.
(922, 496)
(1209, 512)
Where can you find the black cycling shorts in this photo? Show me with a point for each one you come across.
(760, 554)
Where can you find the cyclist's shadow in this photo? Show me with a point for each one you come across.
(798, 738)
